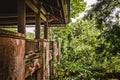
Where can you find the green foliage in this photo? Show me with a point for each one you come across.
(78, 42)
(88, 53)
(90, 48)
(103, 11)
(30, 36)
(77, 6)
(109, 49)
(10, 29)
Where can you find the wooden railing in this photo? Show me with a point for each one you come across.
(55, 54)
(38, 56)
(33, 59)
(45, 53)
(31, 46)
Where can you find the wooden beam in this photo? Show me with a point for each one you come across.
(21, 16)
(8, 21)
(27, 15)
(15, 16)
(43, 17)
(14, 21)
(43, 13)
(32, 6)
(6, 15)
(35, 9)
(43, 10)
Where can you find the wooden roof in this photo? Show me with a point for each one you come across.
(59, 12)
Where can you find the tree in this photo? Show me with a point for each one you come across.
(108, 23)
(90, 48)
(77, 6)
(78, 50)
(103, 11)
(30, 35)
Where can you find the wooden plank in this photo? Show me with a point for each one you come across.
(21, 16)
(6, 15)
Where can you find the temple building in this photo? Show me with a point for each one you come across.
(25, 59)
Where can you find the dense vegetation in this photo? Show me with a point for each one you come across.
(90, 46)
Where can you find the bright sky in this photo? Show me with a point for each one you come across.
(89, 2)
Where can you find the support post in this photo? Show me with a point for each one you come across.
(46, 72)
(46, 27)
(38, 22)
(37, 27)
(21, 15)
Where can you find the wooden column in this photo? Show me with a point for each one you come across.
(37, 27)
(46, 72)
(21, 7)
(46, 27)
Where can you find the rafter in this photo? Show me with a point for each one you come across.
(43, 10)
(43, 17)
(32, 6)
(35, 9)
